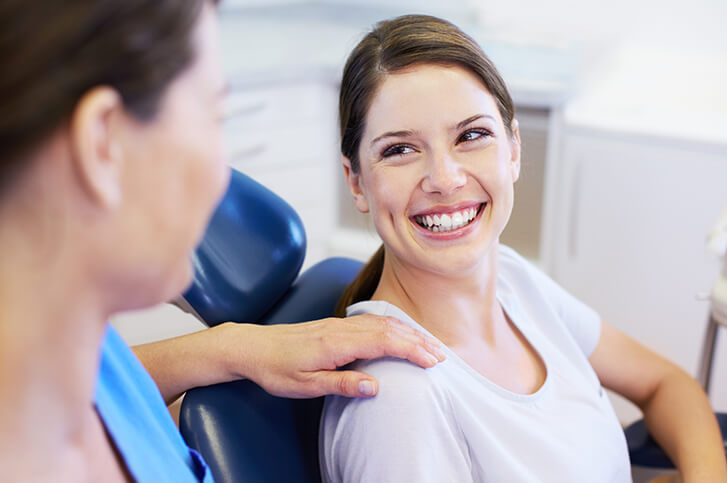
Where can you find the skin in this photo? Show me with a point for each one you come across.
(104, 218)
(419, 156)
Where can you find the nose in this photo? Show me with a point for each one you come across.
(444, 175)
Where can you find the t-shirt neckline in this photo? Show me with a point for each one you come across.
(386, 308)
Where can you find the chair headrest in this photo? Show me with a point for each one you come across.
(250, 254)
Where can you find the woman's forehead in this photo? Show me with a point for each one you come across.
(429, 94)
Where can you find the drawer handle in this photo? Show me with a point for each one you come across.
(575, 195)
(246, 110)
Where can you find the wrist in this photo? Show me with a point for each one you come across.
(232, 342)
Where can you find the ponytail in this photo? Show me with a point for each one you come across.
(363, 287)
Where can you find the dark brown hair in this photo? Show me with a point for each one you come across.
(391, 46)
(53, 51)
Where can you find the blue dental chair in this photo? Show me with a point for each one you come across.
(246, 270)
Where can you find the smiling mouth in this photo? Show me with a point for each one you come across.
(443, 222)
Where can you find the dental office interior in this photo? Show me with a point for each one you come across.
(622, 197)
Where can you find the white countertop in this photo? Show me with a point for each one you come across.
(656, 92)
(264, 46)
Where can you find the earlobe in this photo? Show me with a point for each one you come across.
(515, 148)
(97, 156)
(354, 185)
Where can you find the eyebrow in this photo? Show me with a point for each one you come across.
(392, 134)
(460, 125)
(472, 119)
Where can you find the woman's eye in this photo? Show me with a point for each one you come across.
(473, 134)
(396, 150)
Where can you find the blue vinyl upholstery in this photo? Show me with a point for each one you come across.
(252, 251)
(244, 272)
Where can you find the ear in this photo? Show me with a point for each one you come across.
(354, 185)
(515, 151)
(97, 156)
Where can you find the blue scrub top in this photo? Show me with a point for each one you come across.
(136, 418)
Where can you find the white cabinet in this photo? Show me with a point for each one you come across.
(631, 220)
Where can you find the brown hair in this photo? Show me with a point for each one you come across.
(52, 52)
(391, 46)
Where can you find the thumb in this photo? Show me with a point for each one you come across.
(347, 383)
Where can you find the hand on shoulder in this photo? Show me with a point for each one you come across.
(301, 360)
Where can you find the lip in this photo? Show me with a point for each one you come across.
(439, 209)
(453, 234)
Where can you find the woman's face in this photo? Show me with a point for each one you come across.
(175, 171)
(437, 168)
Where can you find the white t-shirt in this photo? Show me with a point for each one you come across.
(451, 424)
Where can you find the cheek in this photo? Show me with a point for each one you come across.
(207, 172)
(390, 193)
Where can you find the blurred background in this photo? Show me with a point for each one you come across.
(623, 114)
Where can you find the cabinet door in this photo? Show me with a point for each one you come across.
(634, 215)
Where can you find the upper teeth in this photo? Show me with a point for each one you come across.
(447, 221)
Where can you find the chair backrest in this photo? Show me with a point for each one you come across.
(243, 433)
(250, 254)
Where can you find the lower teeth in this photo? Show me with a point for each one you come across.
(439, 228)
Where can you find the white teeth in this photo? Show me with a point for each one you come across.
(447, 222)
(457, 220)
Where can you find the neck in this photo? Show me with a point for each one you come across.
(51, 325)
(453, 308)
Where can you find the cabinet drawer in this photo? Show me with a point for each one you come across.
(284, 103)
(276, 146)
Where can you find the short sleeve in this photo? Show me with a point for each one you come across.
(583, 323)
(405, 433)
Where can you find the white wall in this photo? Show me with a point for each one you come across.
(699, 23)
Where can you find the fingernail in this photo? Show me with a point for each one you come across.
(441, 355)
(366, 388)
(432, 359)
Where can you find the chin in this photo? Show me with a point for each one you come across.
(175, 283)
(182, 279)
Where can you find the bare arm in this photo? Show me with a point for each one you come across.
(296, 360)
(676, 410)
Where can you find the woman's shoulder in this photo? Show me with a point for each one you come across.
(401, 380)
(407, 395)
(397, 434)
(403, 389)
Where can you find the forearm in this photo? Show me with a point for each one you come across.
(288, 360)
(681, 420)
(188, 361)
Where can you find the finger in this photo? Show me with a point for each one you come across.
(380, 344)
(344, 383)
(404, 341)
(389, 330)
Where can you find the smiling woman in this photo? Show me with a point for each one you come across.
(431, 150)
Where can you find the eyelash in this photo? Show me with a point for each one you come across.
(395, 149)
(481, 131)
(392, 150)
